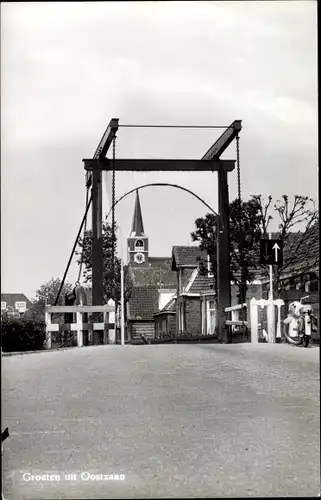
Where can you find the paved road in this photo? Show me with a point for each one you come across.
(176, 420)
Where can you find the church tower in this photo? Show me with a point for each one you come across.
(137, 242)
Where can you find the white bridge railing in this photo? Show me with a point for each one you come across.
(251, 324)
(79, 326)
(273, 330)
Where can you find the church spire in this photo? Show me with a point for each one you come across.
(137, 226)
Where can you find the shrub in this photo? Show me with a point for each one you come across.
(22, 335)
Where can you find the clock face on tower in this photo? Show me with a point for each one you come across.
(139, 258)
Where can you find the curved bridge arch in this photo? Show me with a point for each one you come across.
(162, 184)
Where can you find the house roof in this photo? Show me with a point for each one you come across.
(143, 303)
(170, 307)
(186, 256)
(201, 284)
(160, 262)
(158, 273)
(12, 298)
(300, 251)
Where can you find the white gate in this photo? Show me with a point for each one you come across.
(272, 307)
(79, 326)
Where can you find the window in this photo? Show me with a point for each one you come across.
(299, 285)
(139, 245)
(287, 284)
(211, 317)
(314, 286)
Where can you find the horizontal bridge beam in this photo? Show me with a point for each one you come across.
(126, 165)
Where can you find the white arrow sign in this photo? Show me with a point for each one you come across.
(276, 248)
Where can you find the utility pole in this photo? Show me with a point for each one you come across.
(122, 291)
(122, 305)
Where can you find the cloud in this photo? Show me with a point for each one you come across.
(68, 68)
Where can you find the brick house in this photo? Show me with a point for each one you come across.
(195, 306)
(12, 303)
(141, 309)
(190, 285)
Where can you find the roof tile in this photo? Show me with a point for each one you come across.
(201, 284)
(143, 303)
(187, 256)
(158, 273)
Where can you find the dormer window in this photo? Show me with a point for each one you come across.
(139, 245)
(210, 273)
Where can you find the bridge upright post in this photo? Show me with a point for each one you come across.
(223, 256)
(48, 331)
(97, 245)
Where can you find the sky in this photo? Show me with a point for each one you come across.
(69, 68)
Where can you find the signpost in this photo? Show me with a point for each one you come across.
(271, 253)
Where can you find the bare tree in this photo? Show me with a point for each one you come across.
(298, 233)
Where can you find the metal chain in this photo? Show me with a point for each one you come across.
(113, 205)
(238, 168)
(241, 249)
(83, 239)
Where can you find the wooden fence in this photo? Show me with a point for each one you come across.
(80, 327)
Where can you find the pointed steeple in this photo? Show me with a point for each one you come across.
(137, 226)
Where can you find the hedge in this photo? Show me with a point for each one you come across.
(22, 335)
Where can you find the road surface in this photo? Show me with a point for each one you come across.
(184, 420)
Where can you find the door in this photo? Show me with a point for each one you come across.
(211, 317)
(181, 317)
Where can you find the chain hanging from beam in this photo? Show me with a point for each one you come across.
(113, 206)
(238, 168)
(83, 238)
(241, 241)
